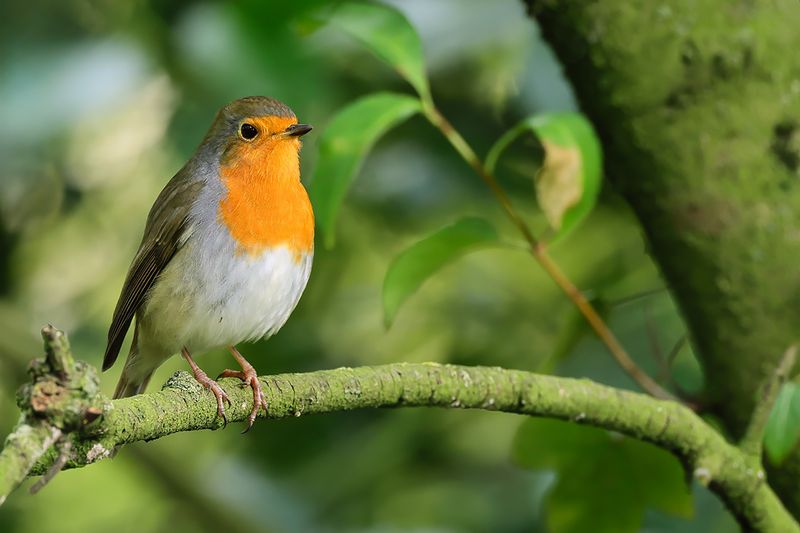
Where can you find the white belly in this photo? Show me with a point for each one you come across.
(217, 297)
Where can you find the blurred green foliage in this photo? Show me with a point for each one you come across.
(426, 257)
(783, 426)
(389, 35)
(596, 471)
(102, 101)
(343, 146)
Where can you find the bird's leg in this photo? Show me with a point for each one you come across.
(203, 379)
(250, 377)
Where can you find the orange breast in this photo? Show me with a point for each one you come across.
(266, 206)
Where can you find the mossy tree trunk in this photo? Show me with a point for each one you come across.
(698, 107)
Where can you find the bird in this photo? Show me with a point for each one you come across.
(226, 252)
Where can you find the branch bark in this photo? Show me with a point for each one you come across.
(183, 405)
(21, 452)
(697, 105)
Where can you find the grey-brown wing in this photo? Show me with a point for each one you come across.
(163, 235)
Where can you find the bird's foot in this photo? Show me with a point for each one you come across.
(217, 391)
(249, 376)
(202, 378)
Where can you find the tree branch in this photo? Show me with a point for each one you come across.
(22, 450)
(183, 405)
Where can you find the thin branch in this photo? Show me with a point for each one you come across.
(664, 374)
(64, 448)
(23, 448)
(539, 251)
(692, 400)
(55, 409)
(752, 441)
(625, 300)
(655, 342)
(183, 405)
(676, 349)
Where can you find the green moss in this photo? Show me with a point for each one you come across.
(695, 102)
(183, 405)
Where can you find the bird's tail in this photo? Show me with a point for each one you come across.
(133, 380)
(128, 385)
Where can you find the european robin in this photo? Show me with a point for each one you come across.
(226, 252)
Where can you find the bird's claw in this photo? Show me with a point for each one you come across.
(259, 401)
(220, 394)
(203, 379)
(249, 378)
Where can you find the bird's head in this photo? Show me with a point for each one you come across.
(256, 130)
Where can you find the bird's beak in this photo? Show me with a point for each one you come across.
(297, 130)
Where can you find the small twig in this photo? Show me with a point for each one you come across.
(676, 349)
(64, 447)
(625, 300)
(752, 442)
(664, 374)
(57, 351)
(539, 251)
(693, 401)
(655, 344)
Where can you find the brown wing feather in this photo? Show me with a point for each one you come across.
(163, 236)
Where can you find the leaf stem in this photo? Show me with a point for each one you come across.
(539, 251)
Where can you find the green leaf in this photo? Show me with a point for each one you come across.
(343, 145)
(389, 35)
(783, 426)
(605, 481)
(419, 262)
(568, 183)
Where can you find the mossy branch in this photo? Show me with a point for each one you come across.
(183, 405)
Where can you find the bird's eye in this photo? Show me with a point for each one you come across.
(248, 131)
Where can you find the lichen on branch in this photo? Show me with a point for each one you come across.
(63, 397)
(183, 405)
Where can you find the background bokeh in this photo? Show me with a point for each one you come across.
(102, 101)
